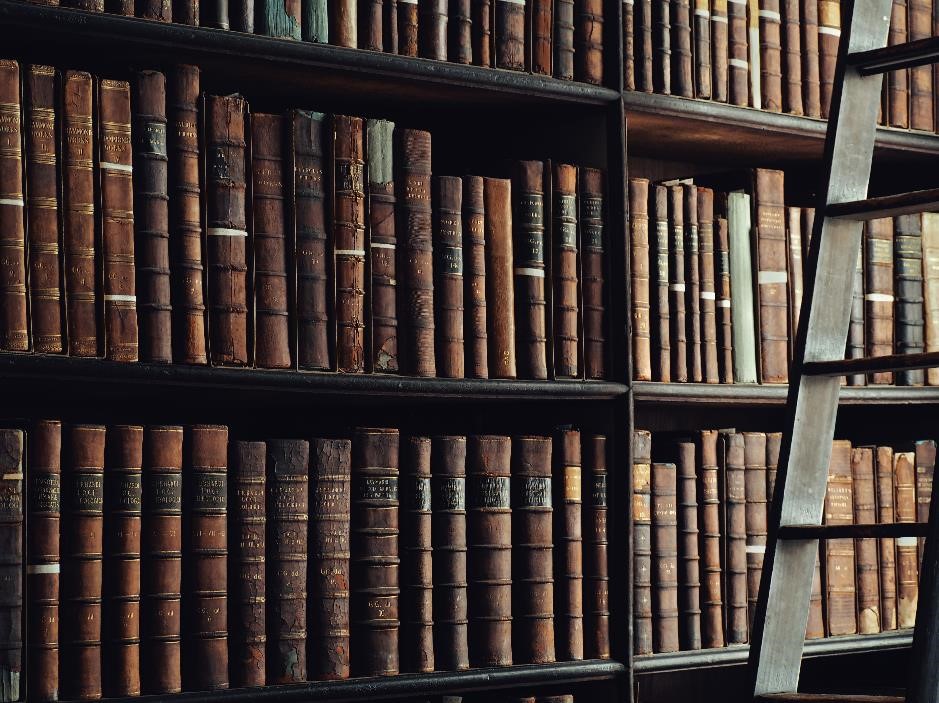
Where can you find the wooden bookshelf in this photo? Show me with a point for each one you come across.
(650, 393)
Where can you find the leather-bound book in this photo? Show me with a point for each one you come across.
(692, 283)
(664, 488)
(156, 10)
(829, 36)
(390, 26)
(314, 21)
(448, 275)
(12, 451)
(919, 13)
(701, 33)
(593, 264)
(855, 345)
(151, 219)
(489, 550)
(78, 206)
(382, 245)
(838, 554)
(14, 333)
(639, 278)
(482, 33)
(43, 510)
(509, 33)
(310, 252)
(659, 257)
(898, 82)
(528, 233)
(187, 259)
(86, 5)
(642, 44)
(886, 547)
(415, 214)
(642, 541)
(755, 492)
(542, 19)
(753, 50)
(226, 257)
(904, 506)
(588, 41)
(475, 339)
(689, 561)
(408, 18)
(269, 243)
(246, 554)
(709, 523)
(500, 299)
(931, 290)
(773, 448)
(771, 90)
(205, 560)
(707, 294)
(811, 97)
(725, 335)
(42, 210)
(342, 23)
(719, 51)
(82, 554)
(566, 313)
(432, 29)
(732, 468)
(596, 548)
(460, 32)
(375, 561)
(815, 626)
(286, 592)
(186, 12)
(532, 567)
(865, 512)
(771, 257)
(808, 223)
(279, 19)
(925, 455)
(739, 65)
(677, 285)
(568, 551)
(241, 15)
(682, 82)
(743, 304)
(791, 57)
(908, 285)
(328, 635)
(348, 226)
(448, 540)
(417, 558)
(161, 567)
(214, 13)
(370, 18)
(563, 39)
(795, 269)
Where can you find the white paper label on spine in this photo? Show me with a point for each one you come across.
(767, 277)
(382, 245)
(522, 271)
(677, 287)
(770, 15)
(702, 13)
(739, 63)
(879, 297)
(719, 18)
(43, 569)
(723, 303)
(830, 31)
(906, 541)
(126, 168)
(350, 252)
(17, 202)
(756, 549)
(225, 232)
(120, 298)
(708, 295)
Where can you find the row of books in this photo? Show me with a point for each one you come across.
(700, 505)
(562, 38)
(309, 241)
(184, 559)
(717, 279)
(499, 697)
(776, 55)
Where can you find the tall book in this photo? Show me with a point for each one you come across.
(568, 540)
(898, 82)
(739, 63)
(370, 18)
(342, 29)
(708, 293)
(640, 277)
(642, 30)
(661, 47)
(500, 299)
(689, 562)
(829, 36)
(14, 333)
(855, 345)
(770, 33)
(878, 292)
(564, 273)
(886, 547)
(459, 32)
(659, 256)
(448, 275)
(664, 488)
(701, 32)
(770, 257)
(904, 507)
(681, 59)
(692, 283)
(810, 77)
(791, 57)
(475, 341)
(794, 270)
(642, 542)
(629, 45)
(432, 29)
(925, 456)
(185, 12)
(482, 33)
(732, 467)
(509, 35)
(755, 493)
(593, 264)
(677, 285)
(596, 549)
(588, 41)
(839, 554)
(564, 39)
(408, 17)
(330, 505)
(725, 353)
(12, 452)
(922, 108)
(417, 558)
(374, 548)
(241, 15)
(528, 254)
(744, 344)
(931, 289)
(865, 512)
(908, 287)
(709, 523)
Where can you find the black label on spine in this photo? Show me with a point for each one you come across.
(598, 491)
(88, 493)
(45, 493)
(531, 210)
(418, 493)
(449, 493)
(530, 248)
(593, 237)
(350, 176)
(125, 492)
(488, 492)
(164, 493)
(383, 488)
(209, 492)
(532, 492)
(593, 207)
(449, 260)
(11, 499)
(150, 138)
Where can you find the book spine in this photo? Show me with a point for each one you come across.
(811, 97)
(755, 492)
(382, 245)
(642, 542)
(342, 23)
(43, 566)
(226, 231)
(415, 214)
(448, 274)
(708, 293)
(564, 39)
(815, 626)
(161, 550)
(596, 548)
(689, 561)
(156, 10)
(314, 21)
(795, 270)
(676, 284)
(720, 51)
(566, 313)
(475, 340)
(931, 290)
(86, 5)
(709, 519)
(14, 333)
(865, 512)
(241, 15)
(855, 345)
(629, 45)
(839, 555)
(771, 88)
(482, 33)
(408, 14)
(642, 26)
(659, 253)
(568, 536)
(186, 12)
(739, 65)
(735, 544)
(279, 18)
(541, 21)
(593, 262)
(743, 323)
(898, 82)
(908, 285)
(82, 555)
(460, 32)
(773, 447)
(348, 224)
(701, 31)
(43, 210)
(532, 563)
(528, 253)
(371, 19)
(12, 446)
(792, 57)
(829, 36)
(510, 34)
(500, 299)
(246, 550)
(330, 494)
(287, 530)
(920, 24)
(682, 82)
(489, 550)
(214, 13)
(588, 41)
(448, 537)
(640, 277)
(904, 482)
(692, 283)
(310, 175)
(664, 488)
(753, 51)
(205, 564)
(151, 207)
(432, 29)
(417, 558)
(375, 561)
(887, 547)
(772, 280)
(390, 26)
(187, 265)
(725, 336)
(925, 454)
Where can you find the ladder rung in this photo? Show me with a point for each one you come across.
(890, 529)
(871, 364)
(886, 206)
(896, 57)
(825, 698)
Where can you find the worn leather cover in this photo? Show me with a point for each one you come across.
(931, 289)
(642, 542)
(390, 26)
(568, 540)
(563, 39)
(677, 285)
(904, 482)
(315, 19)
(791, 57)
(771, 84)
(482, 33)
(810, 77)
(642, 23)
(460, 32)
(707, 295)
(682, 78)
(839, 555)
(564, 273)
(214, 13)
(925, 454)
(186, 12)
(689, 562)
(829, 36)
(898, 82)
(596, 547)
(629, 46)
(528, 254)
(14, 334)
(709, 523)
(755, 487)
(510, 35)
(865, 512)
(701, 33)
(692, 283)
(448, 276)
(417, 558)
(588, 41)
(887, 547)
(157, 10)
(664, 558)
(475, 338)
(342, 23)
(719, 51)
(919, 13)
(500, 298)
(370, 25)
(432, 29)
(640, 278)
(408, 27)
(659, 259)
(12, 451)
(855, 345)
(732, 467)
(770, 255)
(541, 23)
(593, 247)
(739, 65)
(908, 287)
(795, 269)
(280, 18)
(773, 447)
(725, 337)
(241, 15)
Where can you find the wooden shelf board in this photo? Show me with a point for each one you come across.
(648, 393)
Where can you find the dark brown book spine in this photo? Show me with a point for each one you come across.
(593, 240)
(408, 18)
(214, 13)
(390, 26)
(287, 530)
(14, 333)
(349, 242)
(371, 21)
(187, 258)
(664, 558)
(719, 51)
(460, 32)
(541, 29)
(151, 219)
(382, 245)
(732, 450)
(156, 10)
(375, 561)
(904, 483)
(755, 492)
(161, 549)
(829, 36)
(500, 298)
(510, 35)
(921, 77)
(689, 562)
(205, 564)
(770, 31)
(186, 12)
(596, 547)
(878, 292)
(79, 214)
(707, 295)
(42, 211)
(532, 567)
(568, 538)
(639, 272)
(725, 348)
(692, 284)
(791, 57)
(566, 314)
(475, 341)
(898, 109)
(227, 230)
(246, 555)
(908, 287)
(682, 82)
(448, 275)
(12, 451)
(739, 65)
(677, 285)
(43, 511)
(925, 451)
(528, 255)
(642, 542)
(701, 34)
(432, 29)
(448, 535)
(330, 462)
(82, 553)
(342, 23)
(309, 211)
(887, 547)
(417, 558)
(865, 512)
(771, 256)
(810, 77)
(482, 33)
(564, 39)
(839, 555)
(415, 213)
(709, 520)
(659, 258)
(86, 5)
(588, 41)
(489, 555)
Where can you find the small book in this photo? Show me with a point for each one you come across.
(475, 337)
(14, 331)
(689, 561)
(709, 523)
(839, 554)
(887, 547)
(756, 514)
(448, 275)
(640, 278)
(568, 551)
(500, 298)
(596, 549)
(417, 558)
(664, 488)
(865, 513)
(904, 507)
(528, 255)
(642, 542)
(12, 452)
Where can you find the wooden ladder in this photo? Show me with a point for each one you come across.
(795, 521)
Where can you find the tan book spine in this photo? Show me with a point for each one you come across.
(839, 555)
(887, 547)
(500, 299)
(14, 334)
(865, 512)
(904, 484)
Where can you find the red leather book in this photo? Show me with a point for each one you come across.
(528, 234)
(482, 33)
(448, 275)
(701, 33)
(12, 451)
(14, 333)
(475, 337)
(720, 51)
(343, 24)
(839, 572)
(371, 20)
(568, 540)
(770, 32)
(639, 277)
(642, 542)
(417, 558)
(739, 64)
(596, 546)
(566, 288)
(770, 255)
(593, 247)
(500, 298)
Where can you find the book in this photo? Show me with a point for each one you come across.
(701, 32)
(791, 57)
(898, 82)
(475, 339)
(500, 299)
(815, 626)
(528, 255)
(564, 273)
(886, 547)
(920, 23)
(642, 28)
(754, 476)
(661, 47)
(773, 448)
(794, 270)
(931, 289)
(692, 283)
(14, 333)
(642, 542)
(741, 288)
(159, 11)
(770, 33)
(753, 52)
(314, 21)
(664, 558)
(725, 335)
(904, 507)
(482, 33)
(681, 60)
(629, 45)
(838, 573)
(214, 13)
(568, 540)
(185, 12)
(770, 257)
(533, 621)
(448, 275)
(417, 557)
(408, 13)
(541, 20)
(925, 456)
(709, 523)
(374, 549)
(829, 35)
(639, 269)
(811, 95)
(241, 15)
(659, 258)
(12, 452)
(342, 29)
(594, 272)
(689, 566)
(732, 467)
(459, 32)
(878, 292)
(370, 18)
(865, 512)
(739, 62)
(432, 29)
(719, 51)
(588, 41)
(279, 19)
(708, 293)
(908, 287)
(855, 345)
(509, 35)
(596, 549)
(678, 334)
